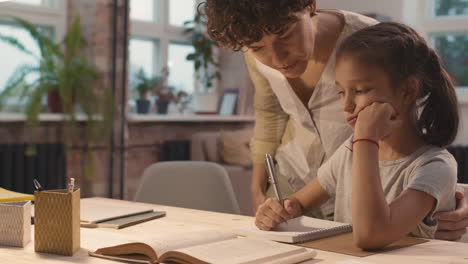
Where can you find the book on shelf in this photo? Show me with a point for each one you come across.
(297, 230)
(200, 247)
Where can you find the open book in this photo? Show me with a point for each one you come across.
(207, 246)
(297, 230)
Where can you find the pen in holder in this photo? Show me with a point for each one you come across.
(57, 221)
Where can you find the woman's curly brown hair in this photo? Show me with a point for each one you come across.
(238, 23)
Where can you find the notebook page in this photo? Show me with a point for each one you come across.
(249, 251)
(294, 230)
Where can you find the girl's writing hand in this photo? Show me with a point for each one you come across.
(271, 213)
(376, 121)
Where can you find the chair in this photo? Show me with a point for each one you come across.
(206, 146)
(190, 184)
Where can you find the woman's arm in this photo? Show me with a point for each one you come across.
(452, 225)
(270, 122)
(375, 222)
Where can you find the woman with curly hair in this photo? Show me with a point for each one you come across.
(289, 48)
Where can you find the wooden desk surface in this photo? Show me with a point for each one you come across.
(180, 220)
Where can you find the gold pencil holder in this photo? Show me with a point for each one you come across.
(57, 222)
(15, 223)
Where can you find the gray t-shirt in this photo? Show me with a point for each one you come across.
(430, 169)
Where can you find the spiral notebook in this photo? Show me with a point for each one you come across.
(298, 230)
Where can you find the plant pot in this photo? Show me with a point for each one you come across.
(143, 106)
(162, 107)
(54, 102)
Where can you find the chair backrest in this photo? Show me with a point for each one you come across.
(190, 184)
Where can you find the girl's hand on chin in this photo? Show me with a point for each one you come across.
(376, 121)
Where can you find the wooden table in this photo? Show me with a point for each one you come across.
(180, 220)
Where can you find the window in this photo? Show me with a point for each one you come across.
(451, 7)
(49, 15)
(453, 48)
(181, 71)
(177, 16)
(143, 10)
(445, 27)
(158, 42)
(143, 55)
(11, 57)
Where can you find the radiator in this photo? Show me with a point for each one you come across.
(460, 153)
(17, 170)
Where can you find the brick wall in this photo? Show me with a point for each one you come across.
(141, 139)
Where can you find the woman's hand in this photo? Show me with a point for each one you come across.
(452, 225)
(376, 121)
(271, 213)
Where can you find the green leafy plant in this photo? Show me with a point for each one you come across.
(145, 84)
(205, 65)
(64, 69)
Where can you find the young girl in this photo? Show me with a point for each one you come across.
(393, 174)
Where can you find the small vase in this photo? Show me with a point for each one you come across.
(143, 106)
(162, 107)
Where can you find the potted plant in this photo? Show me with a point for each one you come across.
(144, 85)
(205, 65)
(63, 75)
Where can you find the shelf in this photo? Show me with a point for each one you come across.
(132, 118)
(18, 117)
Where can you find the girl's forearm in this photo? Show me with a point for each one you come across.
(370, 210)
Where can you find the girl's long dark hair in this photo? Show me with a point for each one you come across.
(402, 53)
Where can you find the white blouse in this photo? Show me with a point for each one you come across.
(318, 130)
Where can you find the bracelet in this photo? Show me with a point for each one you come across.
(368, 140)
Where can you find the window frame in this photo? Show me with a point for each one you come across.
(54, 17)
(430, 25)
(163, 32)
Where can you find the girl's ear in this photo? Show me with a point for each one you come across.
(411, 90)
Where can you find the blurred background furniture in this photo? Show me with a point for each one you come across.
(230, 149)
(188, 184)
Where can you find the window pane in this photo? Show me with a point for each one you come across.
(454, 51)
(28, 2)
(143, 55)
(44, 3)
(181, 73)
(451, 7)
(143, 10)
(181, 11)
(12, 57)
